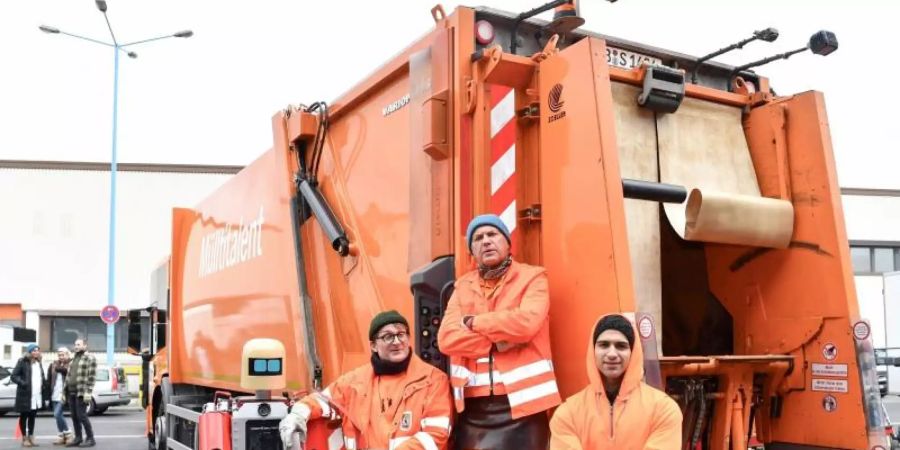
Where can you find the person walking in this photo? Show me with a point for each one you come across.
(28, 375)
(56, 377)
(79, 391)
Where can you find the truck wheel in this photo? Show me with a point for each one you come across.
(160, 421)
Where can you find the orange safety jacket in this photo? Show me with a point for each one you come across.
(513, 318)
(642, 418)
(421, 421)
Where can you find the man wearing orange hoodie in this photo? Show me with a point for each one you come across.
(496, 332)
(616, 410)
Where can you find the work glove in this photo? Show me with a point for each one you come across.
(294, 422)
(87, 398)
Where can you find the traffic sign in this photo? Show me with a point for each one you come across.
(109, 314)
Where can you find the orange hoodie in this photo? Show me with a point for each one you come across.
(641, 418)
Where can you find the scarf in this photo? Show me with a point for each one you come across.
(493, 273)
(382, 367)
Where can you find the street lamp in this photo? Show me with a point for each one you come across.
(117, 47)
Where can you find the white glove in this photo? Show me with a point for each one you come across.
(294, 422)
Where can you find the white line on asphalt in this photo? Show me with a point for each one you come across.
(96, 437)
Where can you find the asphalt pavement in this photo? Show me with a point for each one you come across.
(119, 428)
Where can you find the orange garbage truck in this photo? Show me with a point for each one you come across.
(676, 189)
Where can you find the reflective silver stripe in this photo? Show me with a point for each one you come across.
(426, 440)
(459, 371)
(458, 393)
(350, 443)
(483, 379)
(396, 442)
(527, 371)
(336, 440)
(326, 410)
(439, 422)
(484, 360)
(532, 393)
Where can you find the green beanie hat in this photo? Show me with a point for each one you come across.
(385, 318)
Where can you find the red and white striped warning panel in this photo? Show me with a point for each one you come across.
(503, 155)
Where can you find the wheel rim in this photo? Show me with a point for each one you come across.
(160, 429)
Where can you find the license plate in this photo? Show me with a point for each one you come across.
(627, 59)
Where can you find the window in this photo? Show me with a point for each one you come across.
(875, 259)
(64, 331)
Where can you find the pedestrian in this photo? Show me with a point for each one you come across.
(497, 334)
(396, 401)
(597, 418)
(79, 390)
(56, 377)
(28, 375)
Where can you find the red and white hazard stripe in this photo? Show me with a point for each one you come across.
(503, 155)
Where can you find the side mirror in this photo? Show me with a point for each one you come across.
(134, 337)
(160, 336)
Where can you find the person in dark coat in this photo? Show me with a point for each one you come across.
(29, 378)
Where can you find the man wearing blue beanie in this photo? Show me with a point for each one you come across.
(496, 332)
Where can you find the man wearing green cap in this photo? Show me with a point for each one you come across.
(496, 332)
(397, 401)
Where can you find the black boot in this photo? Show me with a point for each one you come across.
(74, 443)
(88, 443)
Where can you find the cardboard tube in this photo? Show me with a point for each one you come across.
(738, 219)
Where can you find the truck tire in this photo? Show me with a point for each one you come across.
(160, 421)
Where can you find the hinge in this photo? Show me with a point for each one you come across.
(531, 213)
(530, 113)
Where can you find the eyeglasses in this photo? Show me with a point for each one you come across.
(388, 338)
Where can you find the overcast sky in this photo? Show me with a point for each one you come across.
(209, 99)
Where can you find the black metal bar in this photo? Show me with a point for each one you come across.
(528, 14)
(329, 223)
(657, 192)
(784, 55)
(309, 328)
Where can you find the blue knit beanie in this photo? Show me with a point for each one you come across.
(486, 219)
(30, 348)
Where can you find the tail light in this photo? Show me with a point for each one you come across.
(115, 379)
(484, 32)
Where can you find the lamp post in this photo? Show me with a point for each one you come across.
(117, 49)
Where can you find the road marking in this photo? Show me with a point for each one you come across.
(96, 437)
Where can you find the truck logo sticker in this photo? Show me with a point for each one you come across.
(829, 351)
(556, 103)
(232, 245)
(394, 107)
(406, 421)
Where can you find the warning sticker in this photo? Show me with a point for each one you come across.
(861, 330)
(829, 370)
(645, 327)
(823, 385)
(829, 403)
(829, 351)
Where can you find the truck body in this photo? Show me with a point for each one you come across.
(362, 206)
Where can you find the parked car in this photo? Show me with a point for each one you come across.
(110, 389)
(7, 391)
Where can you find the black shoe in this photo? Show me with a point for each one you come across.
(88, 443)
(74, 443)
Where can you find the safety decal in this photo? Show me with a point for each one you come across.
(829, 351)
(829, 370)
(824, 385)
(829, 403)
(861, 330)
(645, 327)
